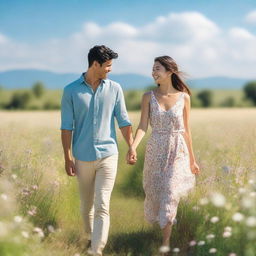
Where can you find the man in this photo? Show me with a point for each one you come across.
(88, 108)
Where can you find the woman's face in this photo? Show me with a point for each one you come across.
(159, 73)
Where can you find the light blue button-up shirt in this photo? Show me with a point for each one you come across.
(90, 115)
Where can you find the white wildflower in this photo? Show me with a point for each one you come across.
(247, 202)
(18, 219)
(14, 176)
(4, 197)
(218, 199)
(215, 219)
(25, 234)
(237, 217)
(164, 249)
(227, 234)
(201, 243)
(213, 250)
(39, 231)
(251, 221)
(253, 194)
(251, 181)
(50, 228)
(210, 236)
(228, 229)
(176, 250)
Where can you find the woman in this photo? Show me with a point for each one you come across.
(170, 166)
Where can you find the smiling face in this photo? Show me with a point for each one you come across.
(103, 70)
(159, 73)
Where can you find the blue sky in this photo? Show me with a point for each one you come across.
(31, 29)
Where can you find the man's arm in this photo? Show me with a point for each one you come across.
(66, 137)
(66, 130)
(127, 134)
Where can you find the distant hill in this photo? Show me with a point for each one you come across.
(16, 79)
(217, 83)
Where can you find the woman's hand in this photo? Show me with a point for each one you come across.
(194, 168)
(131, 156)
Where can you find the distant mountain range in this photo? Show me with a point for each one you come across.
(16, 79)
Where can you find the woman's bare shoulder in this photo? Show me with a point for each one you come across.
(146, 96)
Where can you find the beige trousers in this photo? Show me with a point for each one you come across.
(96, 180)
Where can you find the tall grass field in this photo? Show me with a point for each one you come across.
(39, 203)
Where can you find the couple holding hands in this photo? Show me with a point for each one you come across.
(88, 109)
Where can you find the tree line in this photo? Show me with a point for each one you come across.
(37, 97)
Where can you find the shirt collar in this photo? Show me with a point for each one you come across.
(81, 79)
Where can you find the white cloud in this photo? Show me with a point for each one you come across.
(181, 26)
(251, 17)
(198, 45)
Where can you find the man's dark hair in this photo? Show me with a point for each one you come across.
(101, 54)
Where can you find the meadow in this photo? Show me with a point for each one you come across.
(40, 204)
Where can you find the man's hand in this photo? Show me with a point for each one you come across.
(131, 156)
(70, 168)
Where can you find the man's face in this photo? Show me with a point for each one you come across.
(103, 69)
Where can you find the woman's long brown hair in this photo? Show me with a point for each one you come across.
(170, 65)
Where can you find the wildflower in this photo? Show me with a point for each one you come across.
(226, 234)
(164, 249)
(251, 221)
(213, 250)
(237, 217)
(253, 194)
(218, 199)
(214, 219)
(251, 181)
(247, 202)
(50, 228)
(210, 236)
(32, 211)
(232, 254)
(18, 219)
(35, 187)
(200, 243)
(39, 231)
(4, 197)
(176, 250)
(14, 176)
(228, 229)
(192, 243)
(25, 234)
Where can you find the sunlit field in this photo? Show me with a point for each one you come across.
(40, 204)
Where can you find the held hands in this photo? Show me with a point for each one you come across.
(194, 168)
(70, 168)
(131, 156)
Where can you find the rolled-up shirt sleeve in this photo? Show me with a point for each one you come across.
(67, 112)
(120, 111)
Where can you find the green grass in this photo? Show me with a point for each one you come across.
(31, 149)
